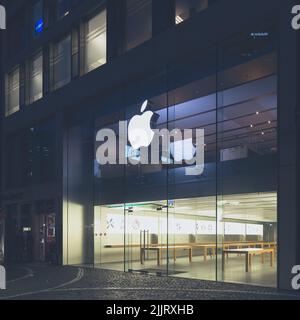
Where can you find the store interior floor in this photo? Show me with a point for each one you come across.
(260, 274)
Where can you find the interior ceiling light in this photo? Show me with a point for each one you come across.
(178, 19)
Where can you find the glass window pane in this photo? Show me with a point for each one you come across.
(139, 22)
(38, 19)
(36, 78)
(16, 37)
(247, 151)
(95, 48)
(186, 8)
(62, 63)
(192, 208)
(13, 92)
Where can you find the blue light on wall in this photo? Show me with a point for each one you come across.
(39, 26)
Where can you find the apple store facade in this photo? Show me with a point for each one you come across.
(145, 218)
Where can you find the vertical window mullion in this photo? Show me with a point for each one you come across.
(75, 53)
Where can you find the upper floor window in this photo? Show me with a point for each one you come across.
(16, 39)
(38, 18)
(139, 22)
(12, 92)
(61, 63)
(95, 42)
(186, 8)
(35, 78)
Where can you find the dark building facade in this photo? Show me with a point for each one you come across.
(72, 68)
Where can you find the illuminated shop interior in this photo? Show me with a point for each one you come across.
(242, 221)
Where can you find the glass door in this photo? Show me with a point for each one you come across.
(146, 237)
(109, 237)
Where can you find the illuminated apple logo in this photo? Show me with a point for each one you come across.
(140, 133)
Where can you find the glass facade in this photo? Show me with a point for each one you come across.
(158, 219)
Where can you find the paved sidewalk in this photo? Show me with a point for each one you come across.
(42, 282)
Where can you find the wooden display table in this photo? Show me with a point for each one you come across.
(248, 252)
(205, 248)
(159, 249)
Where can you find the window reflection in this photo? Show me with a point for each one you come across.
(138, 23)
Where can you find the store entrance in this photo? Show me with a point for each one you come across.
(147, 238)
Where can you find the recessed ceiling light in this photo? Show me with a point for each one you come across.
(178, 19)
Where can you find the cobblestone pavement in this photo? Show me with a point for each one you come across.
(42, 282)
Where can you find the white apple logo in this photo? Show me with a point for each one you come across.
(140, 133)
